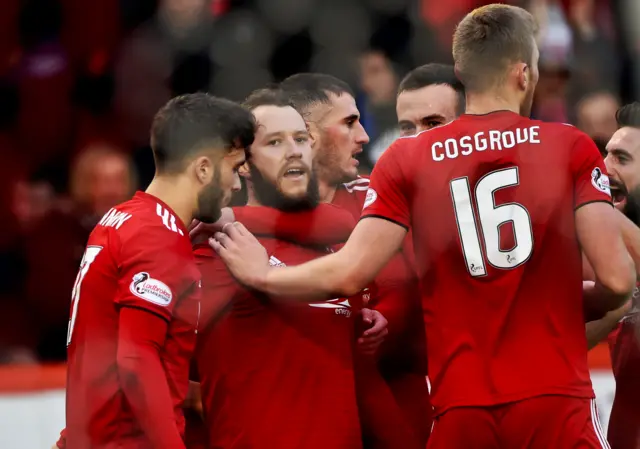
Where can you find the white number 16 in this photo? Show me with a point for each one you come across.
(491, 218)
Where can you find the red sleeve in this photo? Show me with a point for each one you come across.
(591, 182)
(218, 286)
(141, 336)
(388, 194)
(324, 225)
(153, 268)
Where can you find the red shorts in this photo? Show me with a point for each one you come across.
(544, 422)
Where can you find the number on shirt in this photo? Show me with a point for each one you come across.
(89, 256)
(491, 218)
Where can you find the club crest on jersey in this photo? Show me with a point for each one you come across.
(372, 195)
(600, 181)
(149, 289)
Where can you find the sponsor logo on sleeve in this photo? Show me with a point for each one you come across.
(600, 181)
(371, 197)
(149, 289)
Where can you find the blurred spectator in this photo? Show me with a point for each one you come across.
(180, 31)
(596, 115)
(378, 82)
(101, 177)
(45, 81)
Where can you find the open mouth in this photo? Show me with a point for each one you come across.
(618, 194)
(294, 173)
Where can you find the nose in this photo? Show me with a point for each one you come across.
(362, 138)
(237, 185)
(294, 150)
(609, 163)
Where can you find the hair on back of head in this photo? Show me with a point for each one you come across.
(433, 74)
(488, 40)
(629, 115)
(306, 90)
(190, 123)
(267, 96)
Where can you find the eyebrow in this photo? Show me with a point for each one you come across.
(433, 117)
(619, 151)
(353, 117)
(406, 123)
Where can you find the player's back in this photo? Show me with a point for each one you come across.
(492, 212)
(138, 256)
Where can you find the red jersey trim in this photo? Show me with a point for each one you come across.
(386, 218)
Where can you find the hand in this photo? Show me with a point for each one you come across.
(245, 257)
(374, 336)
(198, 231)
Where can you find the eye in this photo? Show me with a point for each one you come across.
(433, 124)
(274, 142)
(302, 139)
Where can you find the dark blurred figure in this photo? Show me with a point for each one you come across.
(45, 80)
(596, 115)
(101, 177)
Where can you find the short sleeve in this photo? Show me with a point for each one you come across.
(388, 194)
(156, 271)
(591, 183)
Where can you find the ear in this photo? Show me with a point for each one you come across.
(523, 72)
(203, 167)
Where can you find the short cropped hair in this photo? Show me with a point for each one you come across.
(487, 40)
(629, 115)
(269, 96)
(433, 74)
(190, 123)
(306, 90)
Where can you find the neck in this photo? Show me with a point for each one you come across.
(491, 101)
(327, 191)
(172, 191)
(251, 196)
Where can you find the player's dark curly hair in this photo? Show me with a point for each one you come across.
(190, 123)
(430, 74)
(629, 115)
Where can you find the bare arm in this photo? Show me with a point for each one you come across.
(602, 243)
(371, 245)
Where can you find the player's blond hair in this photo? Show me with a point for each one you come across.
(488, 40)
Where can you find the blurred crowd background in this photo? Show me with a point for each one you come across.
(80, 81)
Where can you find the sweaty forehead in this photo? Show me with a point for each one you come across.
(436, 99)
(627, 139)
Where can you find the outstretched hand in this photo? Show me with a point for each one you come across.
(199, 232)
(243, 254)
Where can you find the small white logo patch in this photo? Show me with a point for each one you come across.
(149, 289)
(600, 181)
(371, 197)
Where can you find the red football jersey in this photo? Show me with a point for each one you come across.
(275, 374)
(139, 255)
(403, 359)
(624, 344)
(490, 200)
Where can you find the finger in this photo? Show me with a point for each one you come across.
(194, 224)
(367, 315)
(241, 228)
(195, 229)
(217, 246)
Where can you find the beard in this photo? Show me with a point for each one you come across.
(268, 194)
(210, 200)
(632, 206)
